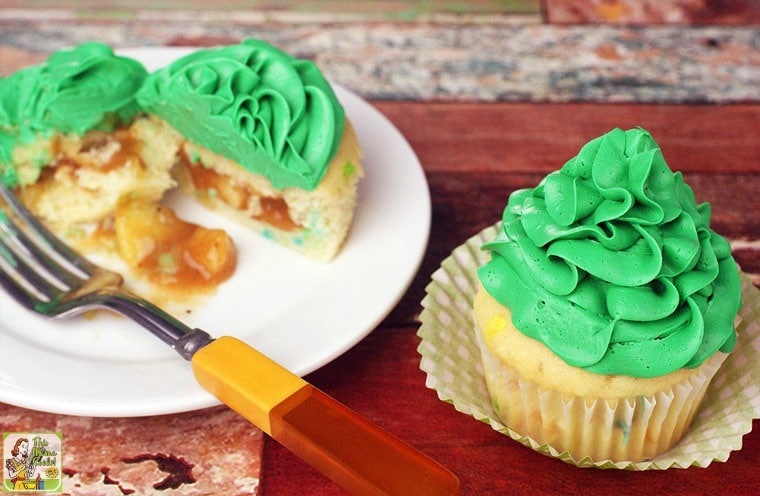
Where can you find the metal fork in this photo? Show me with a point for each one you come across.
(46, 276)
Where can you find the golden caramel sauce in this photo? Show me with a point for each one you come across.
(129, 148)
(172, 252)
(203, 178)
(65, 164)
(179, 259)
(107, 151)
(274, 211)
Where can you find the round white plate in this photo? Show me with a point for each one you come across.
(299, 312)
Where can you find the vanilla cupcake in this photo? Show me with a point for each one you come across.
(607, 304)
(79, 152)
(263, 139)
(73, 141)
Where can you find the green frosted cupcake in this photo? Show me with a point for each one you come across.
(264, 140)
(73, 140)
(607, 305)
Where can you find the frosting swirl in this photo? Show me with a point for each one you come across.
(74, 91)
(612, 265)
(272, 113)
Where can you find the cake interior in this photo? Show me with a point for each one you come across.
(102, 192)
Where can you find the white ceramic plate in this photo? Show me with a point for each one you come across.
(301, 313)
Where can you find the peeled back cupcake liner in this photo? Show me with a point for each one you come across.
(451, 358)
(596, 430)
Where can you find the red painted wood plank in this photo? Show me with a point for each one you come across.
(524, 137)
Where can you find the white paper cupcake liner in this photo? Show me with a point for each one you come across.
(452, 360)
(592, 430)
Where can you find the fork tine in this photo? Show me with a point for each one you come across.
(18, 287)
(33, 259)
(65, 256)
(21, 265)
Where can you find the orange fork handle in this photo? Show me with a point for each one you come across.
(354, 453)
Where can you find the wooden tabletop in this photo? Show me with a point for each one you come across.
(488, 107)
(474, 155)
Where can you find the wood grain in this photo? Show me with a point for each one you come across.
(380, 378)
(539, 138)
(474, 155)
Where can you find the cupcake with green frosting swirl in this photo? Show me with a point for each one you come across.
(264, 140)
(607, 305)
(272, 113)
(86, 88)
(74, 143)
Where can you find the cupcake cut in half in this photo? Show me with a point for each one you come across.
(607, 305)
(73, 140)
(262, 138)
(91, 142)
(80, 153)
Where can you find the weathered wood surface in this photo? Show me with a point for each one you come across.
(474, 155)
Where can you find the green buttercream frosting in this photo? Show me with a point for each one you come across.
(74, 91)
(612, 265)
(272, 113)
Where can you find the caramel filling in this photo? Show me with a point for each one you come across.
(104, 152)
(170, 251)
(150, 238)
(273, 211)
(109, 151)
